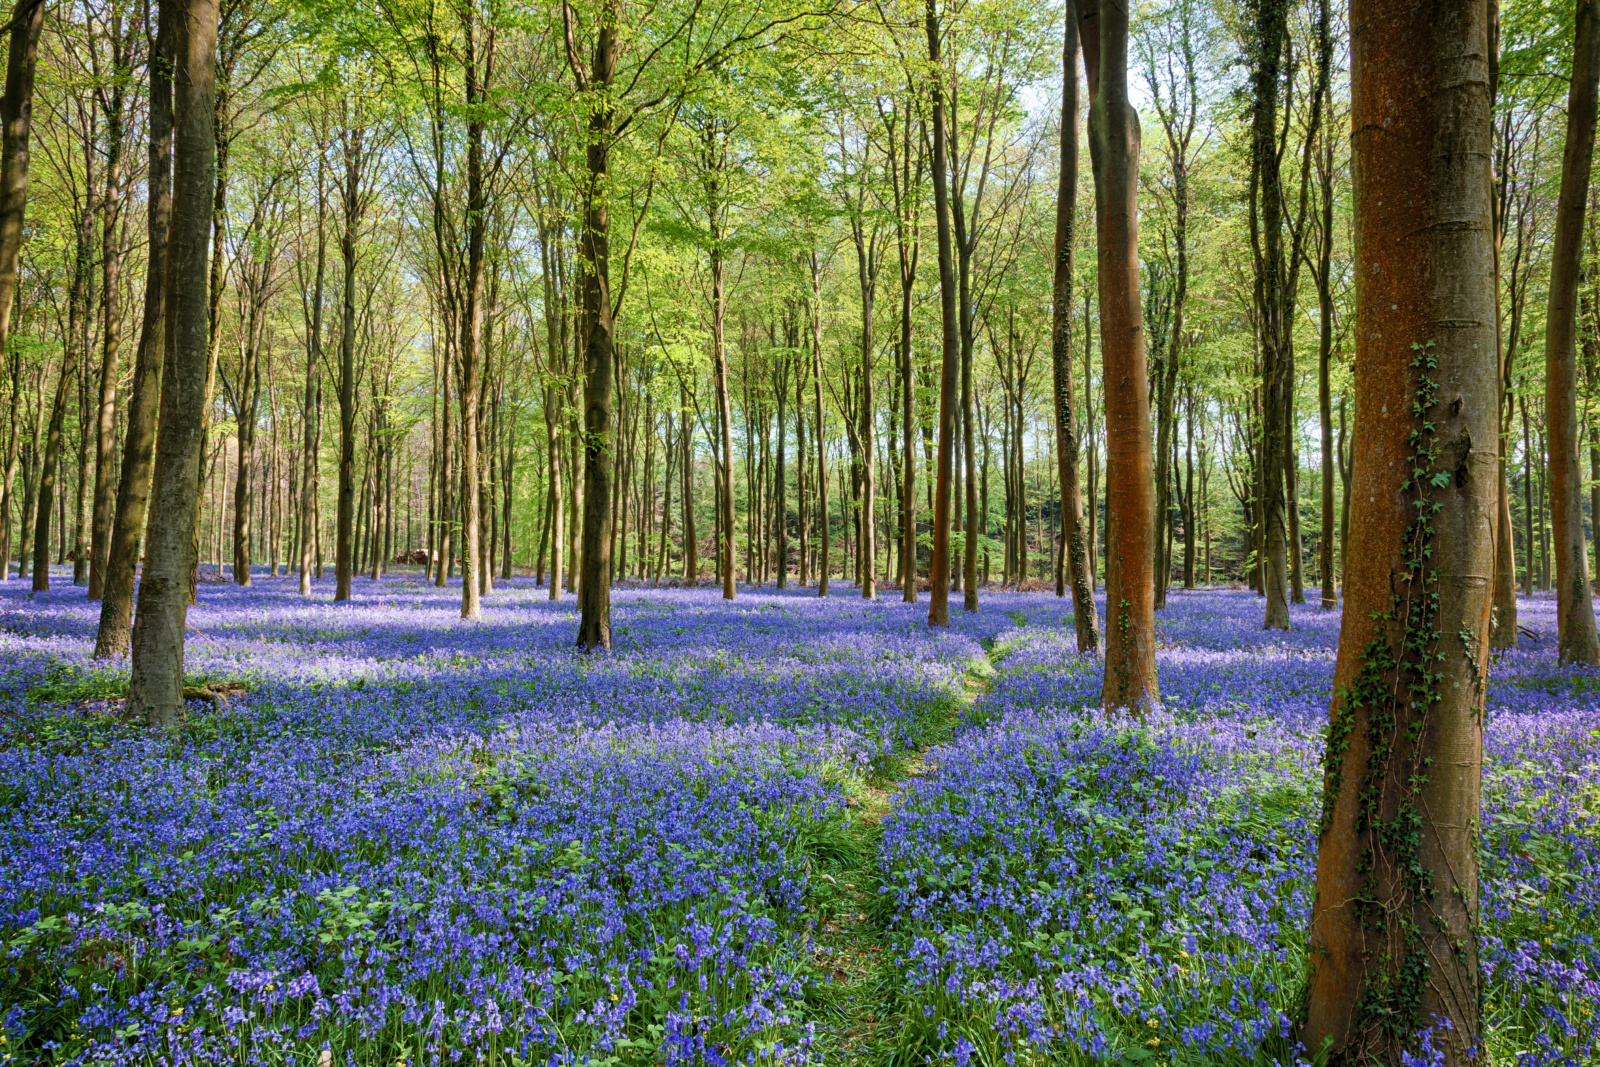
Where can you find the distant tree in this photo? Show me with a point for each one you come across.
(1575, 608)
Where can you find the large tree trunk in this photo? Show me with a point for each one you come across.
(1393, 938)
(133, 483)
(155, 692)
(1574, 607)
(1074, 555)
(1271, 280)
(16, 122)
(950, 358)
(1130, 670)
(596, 334)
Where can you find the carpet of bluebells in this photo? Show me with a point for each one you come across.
(418, 840)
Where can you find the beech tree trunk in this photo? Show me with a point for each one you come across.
(1271, 280)
(824, 562)
(155, 691)
(1503, 625)
(474, 568)
(1130, 669)
(1073, 566)
(1323, 276)
(112, 255)
(343, 561)
(950, 352)
(596, 334)
(49, 467)
(133, 483)
(310, 409)
(553, 449)
(1393, 937)
(16, 122)
(1574, 606)
(719, 370)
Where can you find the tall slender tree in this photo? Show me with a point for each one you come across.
(950, 352)
(1268, 34)
(1072, 563)
(1130, 667)
(138, 445)
(155, 691)
(1574, 604)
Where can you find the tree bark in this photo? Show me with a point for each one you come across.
(719, 370)
(155, 691)
(1574, 606)
(1074, 555)
(824, 561)
(1271, 282)
(1130, 668)
(473, 566)
(49, 468)
(1323, 275)
(343, 562)
(1393, 938)
(596, 334)
(950, 357)
(133, 483)
(112, 255)
(16, 123)
(310, 428)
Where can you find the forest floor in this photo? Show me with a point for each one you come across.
(778, 830)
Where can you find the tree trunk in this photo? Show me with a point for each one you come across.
(1574, 606)
(1076, 559)
(133, 483)
(16, 122)
(1393, 938)
(1271, 282)
(343, 559)
(473, 570)
(596, 334)
(112, 255)
(1130, 670)
(552, 440)
(950, 358)
(1323, 276)
(824, 563)
(49, 468)
(867, 542)
(155, 691)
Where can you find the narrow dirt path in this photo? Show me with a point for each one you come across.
(854, 1008)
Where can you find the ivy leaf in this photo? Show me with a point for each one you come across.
(1441, 479)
